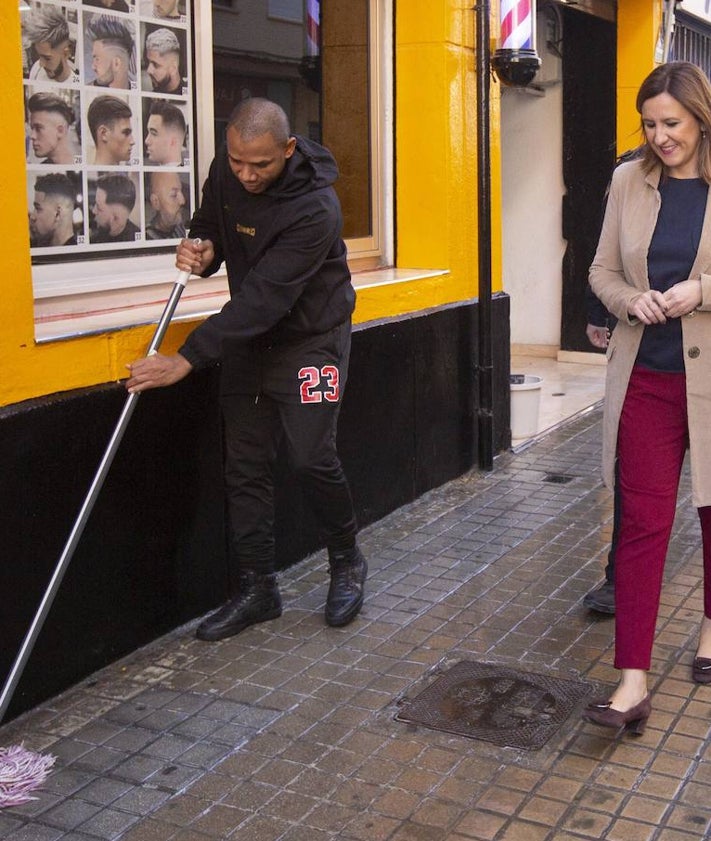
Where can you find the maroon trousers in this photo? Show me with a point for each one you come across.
(652, 440)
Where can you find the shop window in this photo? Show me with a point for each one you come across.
(319, 59)
(291, 10)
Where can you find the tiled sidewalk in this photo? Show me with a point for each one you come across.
(288, 730)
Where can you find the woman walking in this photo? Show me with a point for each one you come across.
(652, 270)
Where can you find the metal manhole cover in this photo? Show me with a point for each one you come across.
(495, 704)
(558, 478)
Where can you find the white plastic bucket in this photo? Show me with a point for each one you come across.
(525, 404)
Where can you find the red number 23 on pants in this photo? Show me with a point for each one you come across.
(311, 392)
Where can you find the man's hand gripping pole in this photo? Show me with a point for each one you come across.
(81, 520)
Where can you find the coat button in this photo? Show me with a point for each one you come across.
(691, 314)
(694, 352)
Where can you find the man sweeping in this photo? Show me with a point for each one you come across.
(269, 211)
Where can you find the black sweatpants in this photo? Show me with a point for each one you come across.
(295, 394)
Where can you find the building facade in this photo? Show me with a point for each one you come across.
(391, 87)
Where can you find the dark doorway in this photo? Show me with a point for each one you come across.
(589, 102)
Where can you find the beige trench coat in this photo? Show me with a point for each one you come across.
(618, 275)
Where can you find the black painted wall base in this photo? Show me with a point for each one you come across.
(152, 555)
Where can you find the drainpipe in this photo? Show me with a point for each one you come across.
(669, 20)
(485, 366)
(516, 63)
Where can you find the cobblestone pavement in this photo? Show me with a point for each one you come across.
(288, 730)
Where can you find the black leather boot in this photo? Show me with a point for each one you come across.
(257, 601)
(346, 591)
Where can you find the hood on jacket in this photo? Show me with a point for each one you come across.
(311, 167)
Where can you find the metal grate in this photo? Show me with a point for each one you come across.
(495, 704)
(691, 41)
(558, 478)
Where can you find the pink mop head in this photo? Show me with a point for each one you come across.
(21, 771)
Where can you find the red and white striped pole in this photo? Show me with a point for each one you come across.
(516, 61)
(313, 23)
(310, 65)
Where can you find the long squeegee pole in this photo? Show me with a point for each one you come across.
(81, 520)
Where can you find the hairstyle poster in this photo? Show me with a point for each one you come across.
(108, 125)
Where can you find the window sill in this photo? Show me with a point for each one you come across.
(388, 276)
(103, 312)
(71, 316)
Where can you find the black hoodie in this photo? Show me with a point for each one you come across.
(286, 261)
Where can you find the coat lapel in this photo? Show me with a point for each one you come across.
(702, 263)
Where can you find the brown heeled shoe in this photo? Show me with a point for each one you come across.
(701, 670)
(633, 720)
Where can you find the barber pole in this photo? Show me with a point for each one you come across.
(516, 61)
(313, 23)
(516, 25)
(310, 64)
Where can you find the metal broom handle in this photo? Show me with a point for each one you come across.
(81, 520)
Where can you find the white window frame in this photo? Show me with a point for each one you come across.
(132, 289)
(378, 249)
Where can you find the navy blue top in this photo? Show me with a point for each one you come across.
(671, 255)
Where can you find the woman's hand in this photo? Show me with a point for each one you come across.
(650, 307)
(683, 298)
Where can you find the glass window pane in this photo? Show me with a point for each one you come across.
(346, 107)
(315, 65)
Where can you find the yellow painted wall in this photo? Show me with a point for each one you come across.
(638, 23)
(436, 225)
(30, 370)
(435, 154)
